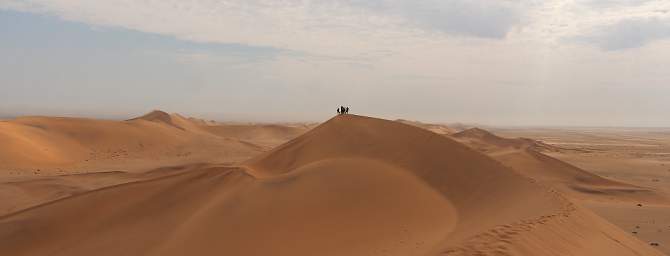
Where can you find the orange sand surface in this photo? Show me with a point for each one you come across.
(164, 184)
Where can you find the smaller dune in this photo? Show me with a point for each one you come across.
(483, 139)
(173, 120)
(155, 116)
(263, 135)
(526, 157)
(436, 128)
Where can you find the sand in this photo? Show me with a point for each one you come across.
(528, 158)
(49, 145)
(350, 186)
(48, 158)
(636, 156)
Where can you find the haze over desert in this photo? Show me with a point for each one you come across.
(338, 128)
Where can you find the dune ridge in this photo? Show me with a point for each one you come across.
(351, 186)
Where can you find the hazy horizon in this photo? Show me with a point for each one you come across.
(586, 63)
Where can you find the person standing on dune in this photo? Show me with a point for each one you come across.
(338, 111)
(346, 110)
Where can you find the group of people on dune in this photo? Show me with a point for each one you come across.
(342, 110)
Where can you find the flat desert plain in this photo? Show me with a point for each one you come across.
(165, 184)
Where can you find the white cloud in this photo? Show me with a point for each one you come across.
(615, 3)
(354, 27)
(322, 27)
(479, 59)
(627, 34)
(488, 19)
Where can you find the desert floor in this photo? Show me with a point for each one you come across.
(165, 184)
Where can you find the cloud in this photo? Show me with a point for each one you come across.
(330, 27)
(615, 3)
(607, 25)
(628, 34)
(477, 18)
(479, 60)
(350, 28)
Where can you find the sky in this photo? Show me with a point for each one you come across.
(495, 62)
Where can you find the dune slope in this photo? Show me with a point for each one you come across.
(352, 186)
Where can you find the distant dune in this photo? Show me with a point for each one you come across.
(436, 128)
(173, 120)
(48, 158)
(62, 145)
(484, 140)
(525, 157)
(351, 186)
(264, 135)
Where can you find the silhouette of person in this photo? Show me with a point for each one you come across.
(346, 110)
(338, 111)
(342, 110)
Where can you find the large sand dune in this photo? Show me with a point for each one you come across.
(352, 186)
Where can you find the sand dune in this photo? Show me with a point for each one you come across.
(352, 186)
(65, 145)
(19, 193)
(525, 157)
(174, 120)
(263, 135)
(41, 158)
(632, 155)
(484, 140)
(436, 128)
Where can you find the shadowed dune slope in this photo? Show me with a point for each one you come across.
(352, 186)
(525, 157)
